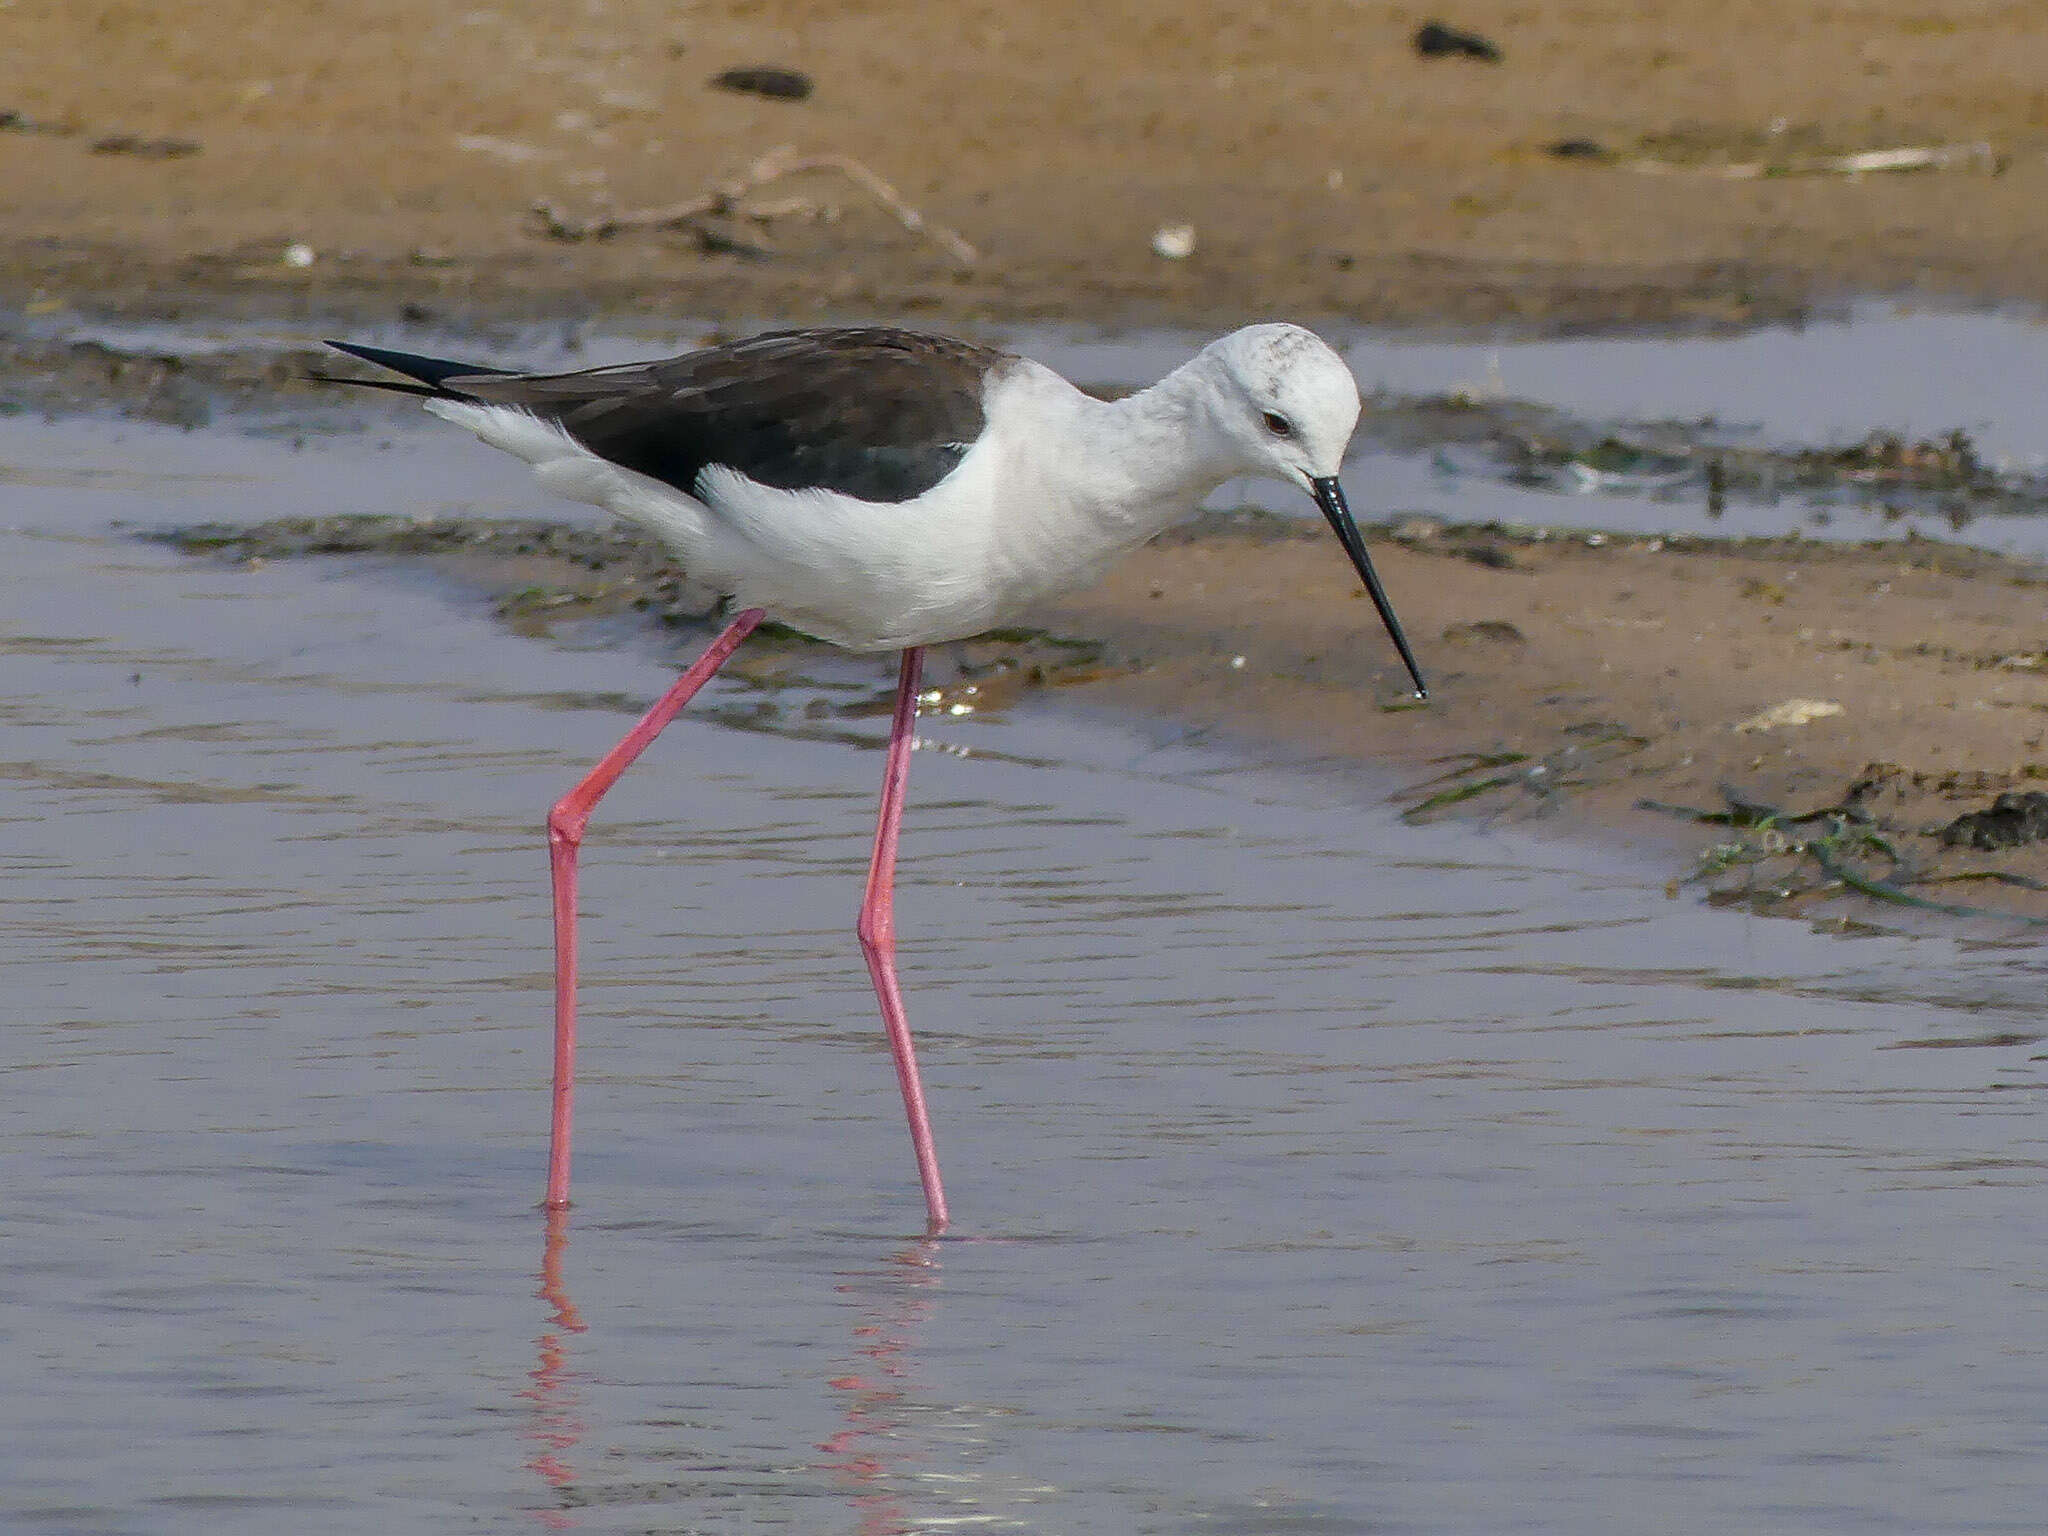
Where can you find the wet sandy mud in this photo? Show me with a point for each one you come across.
(1646, 689)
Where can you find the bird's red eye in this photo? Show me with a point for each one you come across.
(1279, 425)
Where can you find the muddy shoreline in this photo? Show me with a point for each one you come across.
(1572, 689)
(1852, 731)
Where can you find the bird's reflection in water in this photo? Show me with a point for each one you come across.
(871, 1456)
(556, 1424)
(904, 1459)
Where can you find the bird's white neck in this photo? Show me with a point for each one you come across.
(1146, 461)
(1101, 477)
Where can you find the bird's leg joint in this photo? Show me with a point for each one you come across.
(877, 926)
(566, 823)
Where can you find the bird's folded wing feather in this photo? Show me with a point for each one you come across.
(876, 413)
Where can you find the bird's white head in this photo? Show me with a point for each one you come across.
(1284, 399)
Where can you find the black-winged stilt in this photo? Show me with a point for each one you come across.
(886, 490)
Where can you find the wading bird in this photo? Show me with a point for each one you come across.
(886, 490)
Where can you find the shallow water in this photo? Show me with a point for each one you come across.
(1313, 1172)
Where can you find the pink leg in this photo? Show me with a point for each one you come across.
(877, 929)
(566, 821)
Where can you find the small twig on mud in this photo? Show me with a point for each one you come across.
(1916, 157)
(793, 208)
(771, 167)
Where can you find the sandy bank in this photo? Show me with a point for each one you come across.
(156, 156)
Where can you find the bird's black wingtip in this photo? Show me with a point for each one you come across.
(392, 386)
(376, 355)
(432, 372)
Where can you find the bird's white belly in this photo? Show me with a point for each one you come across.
(864, 575)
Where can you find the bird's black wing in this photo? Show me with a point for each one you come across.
(873, 412)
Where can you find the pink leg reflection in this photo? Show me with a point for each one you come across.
(557, 1426)
(872, 1453)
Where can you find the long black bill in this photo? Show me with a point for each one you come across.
(1330, 497)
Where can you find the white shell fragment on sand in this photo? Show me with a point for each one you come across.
(1174, 242)
(1791, 712)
